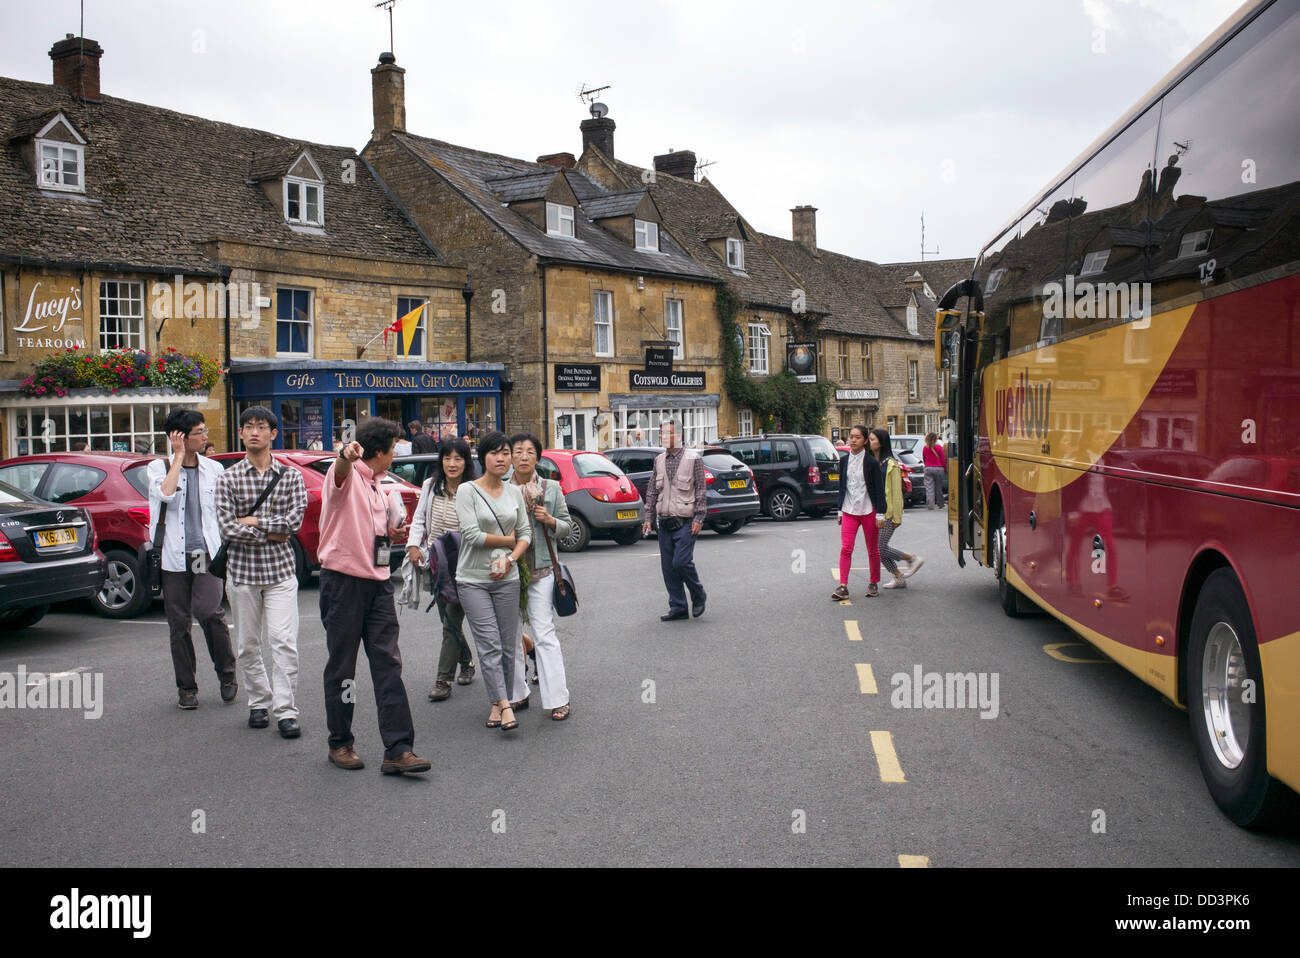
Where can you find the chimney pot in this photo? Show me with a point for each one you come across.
(388, 96)
(76, 67)
(679, 163)
(805, 227)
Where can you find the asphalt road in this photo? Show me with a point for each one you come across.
(741, 738)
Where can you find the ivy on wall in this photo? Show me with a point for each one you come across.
(780, 402)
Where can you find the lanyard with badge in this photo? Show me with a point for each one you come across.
(383, 543)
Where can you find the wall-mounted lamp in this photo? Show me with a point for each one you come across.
(640, 283)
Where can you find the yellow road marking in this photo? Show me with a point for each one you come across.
(1054, 650)
(866, 680)
(886, 757)
(913, 861)
(851, 627)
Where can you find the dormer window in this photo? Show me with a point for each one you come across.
(304, 202)
(1094, 262)
(1193, 243)
(735, 254)
(647, 235)
(61, 166)
(559, 219)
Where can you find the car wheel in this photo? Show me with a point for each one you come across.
(627, 537)
(126, 591)
(301, 567)
(577, 539)
(1225, 699)
(23, 618)
(725, 527)
(1013, 603)
(782, 505)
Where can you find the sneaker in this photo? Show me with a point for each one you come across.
(898, 582)
(841, 593)
(873, 590)
(913, 567)
(187, 699)
(228, 691)
(466, 674)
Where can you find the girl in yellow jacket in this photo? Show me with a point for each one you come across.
(893, 517)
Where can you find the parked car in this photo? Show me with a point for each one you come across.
(731, 498)
(418, 467)
(913, 443)
(913, 479)
(112, 488)
(794, 473)
(47, 554)
(312, 466)
(601, 499)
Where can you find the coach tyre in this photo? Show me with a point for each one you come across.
(782, 505)
(23, 618)
(576, 540)
(1228, 716)
(1013, 603)
(125, 590)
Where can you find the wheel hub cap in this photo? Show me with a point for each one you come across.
(1223, 678)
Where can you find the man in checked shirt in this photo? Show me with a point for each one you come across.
(675, 498)
(260, 573)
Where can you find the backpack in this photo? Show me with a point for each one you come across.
(444, 553)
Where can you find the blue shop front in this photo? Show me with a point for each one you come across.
(316, 400)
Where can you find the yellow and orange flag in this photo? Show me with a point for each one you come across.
(406, 325)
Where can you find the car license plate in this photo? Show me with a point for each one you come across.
(737, 484)
(56, 537)
(627, 513)
(834, 477)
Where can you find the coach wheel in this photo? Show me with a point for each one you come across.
(782, 505)
(126, 589)
(577, 539)
(23, 618)
(1013, 603)
(1225, 698)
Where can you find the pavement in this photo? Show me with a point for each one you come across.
(751, 736)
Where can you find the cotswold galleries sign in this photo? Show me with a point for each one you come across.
(342, 382)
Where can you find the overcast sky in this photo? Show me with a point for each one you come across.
(870, 111)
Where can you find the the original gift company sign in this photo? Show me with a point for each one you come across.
(49, 308)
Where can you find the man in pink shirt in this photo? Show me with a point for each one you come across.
(358, 521)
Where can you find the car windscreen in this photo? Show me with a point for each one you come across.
(590, 464)
(822, 449)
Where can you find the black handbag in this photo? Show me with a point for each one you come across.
(217, 566)
(563, 592)
(155, 554)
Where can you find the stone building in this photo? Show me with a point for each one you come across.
(573, 283)
(125, 226)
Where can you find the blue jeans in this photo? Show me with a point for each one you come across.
(677, 558)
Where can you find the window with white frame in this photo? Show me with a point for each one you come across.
(121, 315)
(559, 219)
(745, 422)
(602, 317)
(843, 359)
(1193, 243)
(118, 426)
(1094, 262)
(759, 334)
(735, 254)
(995, 277)
(866, 363)
(61, 166)
(405, 304)
(914, 424)
(304, 201)
(913, 379)
(673, 319)
(911, 318)
(293, 322)
(640, 427)
(647, 235)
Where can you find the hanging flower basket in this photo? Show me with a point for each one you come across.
(119, 370)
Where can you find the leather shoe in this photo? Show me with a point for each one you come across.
(229, 690)
(697, 609)
(441, 692)
(674, 616)
(187, 699)
(407, 762)
(346, 757)
(258, 718)
(289, 728)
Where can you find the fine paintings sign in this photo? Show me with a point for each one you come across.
(577, 377)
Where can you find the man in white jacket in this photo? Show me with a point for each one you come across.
(186, 488)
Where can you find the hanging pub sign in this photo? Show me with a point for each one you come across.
(659, 358)
(577, 377)
(801, 359)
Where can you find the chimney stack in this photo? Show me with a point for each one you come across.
(679, 163)
(805, 227)
(598, 132)
(76, 67)
(388, 96)
(561, 161)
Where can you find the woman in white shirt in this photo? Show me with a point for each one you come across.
(862, 495)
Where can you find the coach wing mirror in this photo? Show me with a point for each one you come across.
(947, 317)
(945, 322)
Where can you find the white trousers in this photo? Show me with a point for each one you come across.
(267, 615)
(550, 661)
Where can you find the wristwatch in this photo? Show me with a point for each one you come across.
(510, 559)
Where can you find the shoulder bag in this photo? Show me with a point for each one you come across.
(564, 593)
(218, 564)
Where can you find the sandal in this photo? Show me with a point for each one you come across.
(497, 723)
(512, 724)
(560, 713)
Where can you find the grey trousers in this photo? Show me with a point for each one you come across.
(492, 614)
(933, 486)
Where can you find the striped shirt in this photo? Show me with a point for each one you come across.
(250, 559)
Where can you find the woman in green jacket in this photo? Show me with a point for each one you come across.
(893, 517)
(550, 517)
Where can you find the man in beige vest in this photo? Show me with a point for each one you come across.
(675, 499)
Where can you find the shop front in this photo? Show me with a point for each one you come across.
(853, 407)
(319, 401)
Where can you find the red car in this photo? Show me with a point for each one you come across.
(600, 496)
(312, 466)
(112, 487)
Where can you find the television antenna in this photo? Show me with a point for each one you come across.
(588, 94)
(703, 165)
(1183, 147)
(924, 252)
(388, 5)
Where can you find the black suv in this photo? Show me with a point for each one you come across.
(730, 498)
(793, 473)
